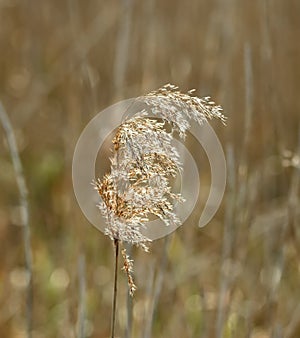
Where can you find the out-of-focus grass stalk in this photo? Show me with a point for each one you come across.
(227, 239)
(82, 55)
(274, 241)
(122, 47)
(294, 323)
(269, 23)
(157, 289)
(237, 203)
(149, 44)
(293, 199)
(203, 304)
(23, 192)
(248, 70)
(243, 199)
(82, 296)
(148, 292)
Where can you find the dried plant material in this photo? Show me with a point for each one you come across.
(138, 185)
(178, 108)
(143, 163)
(128, 268)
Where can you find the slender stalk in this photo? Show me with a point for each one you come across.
(114, 307)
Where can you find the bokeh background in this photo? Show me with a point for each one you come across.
(61, 62)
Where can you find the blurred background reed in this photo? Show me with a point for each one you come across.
(61, 62)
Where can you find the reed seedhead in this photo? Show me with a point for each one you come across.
(143, 163)
(138, 184)
(144, 160)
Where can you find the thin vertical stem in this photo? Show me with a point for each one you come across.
(113, 323)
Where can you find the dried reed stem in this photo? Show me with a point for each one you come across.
(114, 307)
(23, 192)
